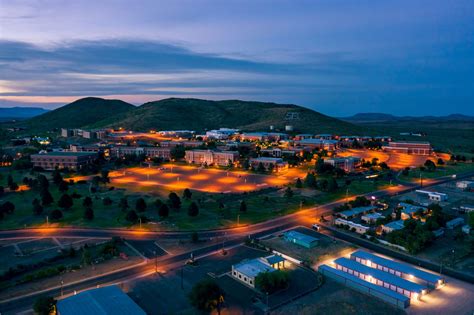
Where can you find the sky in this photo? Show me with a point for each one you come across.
(336, 57)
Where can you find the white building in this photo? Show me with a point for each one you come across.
(433, 195)
(210, 157)
(348, 164)
(371, 218)
(247, 271)
(221, 133)
(465, 184)
(393, 226)
(358, 228)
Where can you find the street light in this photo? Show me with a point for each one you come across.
(156, 261)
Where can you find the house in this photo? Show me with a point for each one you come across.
(465, 184)
(409, 210)
(356, 227)
(454, 223)
(348, 164)
(300, 239)
(211, 157)
(277, 164)
(100, 301)
(466, 229)
(393, 226)
(371, 218)
(71, 160)
(466, 208)
(247, 271)
(433, 195)
(347, 214)
(416, 148)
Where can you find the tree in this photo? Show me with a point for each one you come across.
(384, 166)
(107, 201)
(193, 209)
(132, 216)
(89, 214)
(123, 203)
(63, 186)
(104, 174)
(57, 177)
(260, 168)
(177, 152)
(194, 237)
(87, 202)
(430, 165)
(270, 282)
(174, 200)
(44, 305)
(37, 208)
(299, 183)
(288, 192)
(56, 214)
(332, 185)
(86, 258)
(163, 211)
(11, 184)
(206, 295)
(65, 202)
(158, 203)
(140, 205)
(440, 161)
(471, 219)
(46, 197)
(7, 207)
(187, 194)
(243, 206)
(310, 180)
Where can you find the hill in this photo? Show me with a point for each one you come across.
(379, 117)
(8, 113)
(79, 113)
(197, 114)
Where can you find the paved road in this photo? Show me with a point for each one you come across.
(234, 235)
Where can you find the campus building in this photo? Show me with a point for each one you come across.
(221, 133)
(211, 157)
(60, 160)
(416, 148)
(105, 300)
(348, 164)
(152, 152)
(329, 145)
(276, 163)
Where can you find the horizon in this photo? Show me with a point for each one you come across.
(401, 58)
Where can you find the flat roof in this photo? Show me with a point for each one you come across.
(300, 236)
(356, 211)
(380, 275)
(273, 259)
(101, 301)
(372, 286)
(396, 225)
(65, 153)
(251, 268)
(268, 159)
(405, 268)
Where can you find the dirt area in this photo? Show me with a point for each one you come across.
(327, 248)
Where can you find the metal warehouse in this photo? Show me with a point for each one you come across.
(397, 268)
(381, 278)
(363, 286)
(301, 239)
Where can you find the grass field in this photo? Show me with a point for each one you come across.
(445, 170)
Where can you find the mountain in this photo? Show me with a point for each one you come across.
(197, 114)
(77, 114)
(20, 112)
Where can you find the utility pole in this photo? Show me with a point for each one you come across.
(182, 276)
(62, 282)
(47, 221)
(156, 261)
(238, 219)
(421, 181)
(140, 220)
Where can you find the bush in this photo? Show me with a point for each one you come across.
(206, 295)
(270, 282)
(56, 214)
(44, 305)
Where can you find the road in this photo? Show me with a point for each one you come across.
(233, 236)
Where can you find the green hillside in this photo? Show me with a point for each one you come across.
(196, 114)
(77, 114)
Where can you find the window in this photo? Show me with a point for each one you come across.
(235, 273)
(393, 288)
(240, 276)
(385, 269)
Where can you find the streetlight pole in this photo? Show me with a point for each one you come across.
(140, 220)
(156, 261)
(238, 219)
(182, 276)
(62, 283)
(47, 221)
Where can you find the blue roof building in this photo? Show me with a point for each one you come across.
(109, 300)
(356, 211)
(300, 239)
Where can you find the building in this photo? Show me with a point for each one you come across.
(387, 280)
(372, 218)
(66, 133)
(329, 145)
(348, 164)
(454, 223)
(347, 214)
(466, 208)
(416, 148)
(211, 157)
(399, 269)
(466, 229)
(393, 226)
(408, 211)
(355, 227)
(277, 164)
(152, 152)
(247, 271)
(465, 184)
(176, 133)
(300, 239)
(277, 152)
(366, 287)
(433, 195)
(71, 160)
(263, 136)
(221, 133)
(101, 301)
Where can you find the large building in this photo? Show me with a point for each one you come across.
(277, 164)
(221, 133)
(60, 160)
(416, 148)
(101, 301)
(348, 164)
(211, 157)
(158, 152)
(323, 143)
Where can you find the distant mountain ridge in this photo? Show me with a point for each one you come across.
(381, 117)
(21, 112)
(188, 113)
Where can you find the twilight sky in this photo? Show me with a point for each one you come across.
(337, 57)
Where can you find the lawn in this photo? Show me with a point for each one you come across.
(445, 170)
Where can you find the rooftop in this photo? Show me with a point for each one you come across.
(66, 153)
(251, 268)
(101, 301)
(406, 269)
(395, 225)
(300, 236)
(380, 275)
(356, 211)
